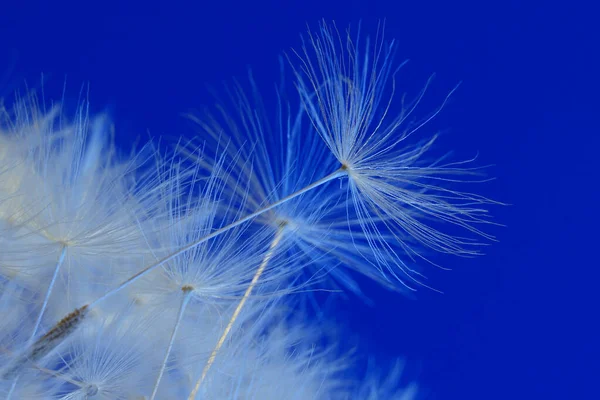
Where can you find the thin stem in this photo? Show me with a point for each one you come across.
(184, 302)
(12, 387)
(61, 258)
(236, 313)
(337, 174)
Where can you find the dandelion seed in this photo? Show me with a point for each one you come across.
(48, 342)
(107, 359)
(289, 155)
(218, 270)
(228, 230)
(393, 190)
(77, 200)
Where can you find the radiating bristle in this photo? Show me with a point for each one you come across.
(192, 263)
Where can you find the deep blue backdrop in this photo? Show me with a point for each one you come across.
(518, 323)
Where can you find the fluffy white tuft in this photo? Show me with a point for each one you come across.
(170, 275)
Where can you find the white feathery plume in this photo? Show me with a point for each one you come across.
(348, 90)
(195, 203)
(110, 359)
(287, 155)
(391, 192)
(377, 385)
(217, 271)
(394, 199)
(283, 363)
(73, 210)
(67, 215)
(270, 356)
(224, 231)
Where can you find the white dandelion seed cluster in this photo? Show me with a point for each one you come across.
(180, 274)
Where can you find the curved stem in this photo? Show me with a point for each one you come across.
(236, 313)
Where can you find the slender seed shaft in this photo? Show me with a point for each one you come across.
(337, 174)
(59, 263)
(187, 292)
(240, 306)
(38, 321)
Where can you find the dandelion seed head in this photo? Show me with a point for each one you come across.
(398, 198)
(169, 274)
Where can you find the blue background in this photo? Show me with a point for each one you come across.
(517, 323)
